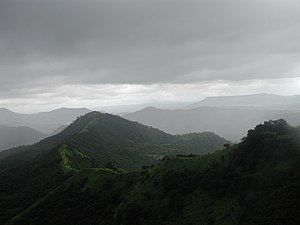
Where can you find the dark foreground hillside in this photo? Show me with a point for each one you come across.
(254, 182)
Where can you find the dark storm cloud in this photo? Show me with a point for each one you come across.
(59, 42)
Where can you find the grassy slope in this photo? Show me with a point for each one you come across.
(254, 182)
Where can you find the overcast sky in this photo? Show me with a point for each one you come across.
(92, 53)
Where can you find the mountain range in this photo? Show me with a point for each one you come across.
(264, 100)
(229, 117)
(90, 173)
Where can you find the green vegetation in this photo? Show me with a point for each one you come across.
(96, 140)
(72, 159)
(254, 182)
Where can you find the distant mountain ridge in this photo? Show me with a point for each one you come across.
(45, 122)
(255, 100)
(16, 136)
(227, 116)
(229, 122)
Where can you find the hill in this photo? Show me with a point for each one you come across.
(45, 122)
(15, 136)
(256, 100)
(95, 140)
(254, 182)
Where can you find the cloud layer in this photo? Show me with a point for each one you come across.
(46, 45)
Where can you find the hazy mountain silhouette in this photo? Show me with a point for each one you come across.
(231, 123)
(255, 100)
(16, 136)
(45, 122)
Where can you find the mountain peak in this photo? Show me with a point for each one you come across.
(103, 138)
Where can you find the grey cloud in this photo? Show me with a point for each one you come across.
(145, 42)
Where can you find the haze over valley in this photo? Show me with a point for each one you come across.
(228, 116)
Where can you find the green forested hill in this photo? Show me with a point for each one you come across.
(96, 140)
(254, 182)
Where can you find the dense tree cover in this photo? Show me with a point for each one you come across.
(191, 142)
(254, 182)
(96, 140)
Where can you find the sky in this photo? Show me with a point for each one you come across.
(95, 53)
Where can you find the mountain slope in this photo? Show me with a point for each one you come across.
(15, 136)
(254, 182)
(95, 140)
(45, 122)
